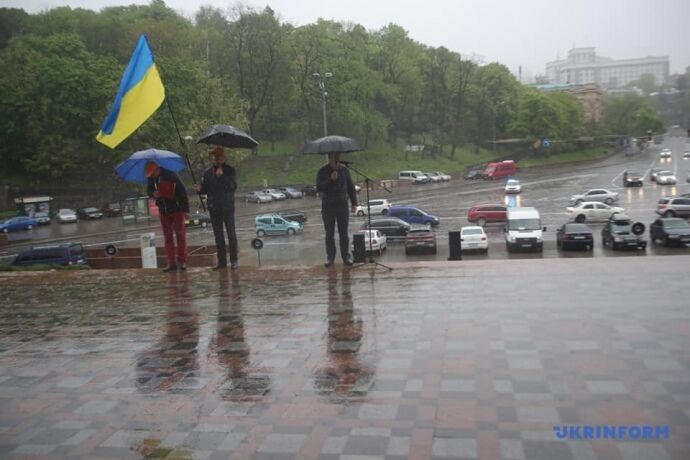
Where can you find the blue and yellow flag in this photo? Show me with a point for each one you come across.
(140, 94)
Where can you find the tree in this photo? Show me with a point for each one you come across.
(630, 115)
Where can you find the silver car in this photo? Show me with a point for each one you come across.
(666, 178)
(597, 194)
(673, 207)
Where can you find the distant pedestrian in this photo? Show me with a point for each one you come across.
(173, 206)
(335, 184)
(219, 183)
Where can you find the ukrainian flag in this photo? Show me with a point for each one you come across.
(140, 94)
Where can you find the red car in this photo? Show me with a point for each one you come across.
(487, 213)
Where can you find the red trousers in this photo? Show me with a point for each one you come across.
(174, 223)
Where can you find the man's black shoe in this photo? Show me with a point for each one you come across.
(220, 267)
(182, 267)
(170, 268)
(329, 263)
(233, 265)
(347, 262)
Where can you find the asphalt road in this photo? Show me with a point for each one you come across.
(547, 189)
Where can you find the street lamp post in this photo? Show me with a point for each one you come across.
(321, 81)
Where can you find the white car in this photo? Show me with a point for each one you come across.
(591, 211)
(66, 216)
(445, 177)
(666, 153)
(597, 194)
(376, 206)
(513, 186)
(374, 241)
(434, 177)
(666, 178)
(275, 194)
(473, 238)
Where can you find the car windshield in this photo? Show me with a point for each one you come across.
(524, 224)
(665, 173)
(512, 182)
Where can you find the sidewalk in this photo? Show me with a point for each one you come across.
(433, 360)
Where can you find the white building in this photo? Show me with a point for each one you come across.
(583, 66)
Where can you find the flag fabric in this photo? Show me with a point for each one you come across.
(140, 94)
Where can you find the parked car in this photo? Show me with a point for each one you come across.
(392, 227)
(277, 195)
(420, 238)
(621, 232)
(14, 224)
(435, 178)
(653, 174)
(666, 178)
(291, 192)
(66, 216)
(258, 197)
(670, 231)
(111, 210)
(499, 169)
(374, 241)
(665, 153)
(376, 206)
(486, 213)
(42, 218)
(591, 211)
(198, 219)
(444, 177)
(89, 213)
(632, 179)
(597, 194)
(275, 224)
(673, 206)
(310, 190)
(294, 215)
(513, 186)
(413, 215)
(61, 254)
(524, 230)
(474, 172)
(573, 235)
(473, 238)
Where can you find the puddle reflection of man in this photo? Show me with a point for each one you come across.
(175, 356)
(344, 372)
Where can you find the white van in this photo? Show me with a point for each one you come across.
(417, 177)
(523, 229)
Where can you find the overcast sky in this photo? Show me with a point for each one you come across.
(526, 32)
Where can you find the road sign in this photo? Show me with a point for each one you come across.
(546, 143)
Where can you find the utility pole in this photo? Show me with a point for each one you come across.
(321, 82)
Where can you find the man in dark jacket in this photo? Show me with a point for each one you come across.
(219, 183)
(334, 183)
(173, 206)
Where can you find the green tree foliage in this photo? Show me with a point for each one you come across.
(630, 115)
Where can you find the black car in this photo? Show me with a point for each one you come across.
(89, 213)
(392, 227)
(574, 235)
(310, 190)
(670, 231)
(198, 219)
(293, 215)
(632, 179)
(474, 173)
(62, 254)
(621, 232)
(111, 210)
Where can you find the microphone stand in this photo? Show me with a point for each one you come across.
(367, 182)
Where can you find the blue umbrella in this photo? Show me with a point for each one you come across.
(132, 169)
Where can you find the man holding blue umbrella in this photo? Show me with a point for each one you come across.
(173, 204)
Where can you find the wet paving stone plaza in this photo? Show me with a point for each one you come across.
(516, 359)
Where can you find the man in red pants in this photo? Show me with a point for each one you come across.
(173, 205)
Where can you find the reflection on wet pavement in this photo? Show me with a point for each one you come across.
(432, 360)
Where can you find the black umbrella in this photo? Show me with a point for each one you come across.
(227, 136)
(332, 144)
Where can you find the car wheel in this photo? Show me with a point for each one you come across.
(5, 230)
(608, 200)
(481, 221)
(581, 218)
(669, 214)
(260, 233)
(360, 213)
(384, 211)
(290, 231)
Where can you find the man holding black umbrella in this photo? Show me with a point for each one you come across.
(219, 183)
(334, 183)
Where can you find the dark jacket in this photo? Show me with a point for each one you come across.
(335, 193)
(220, 190)
(178, 204)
